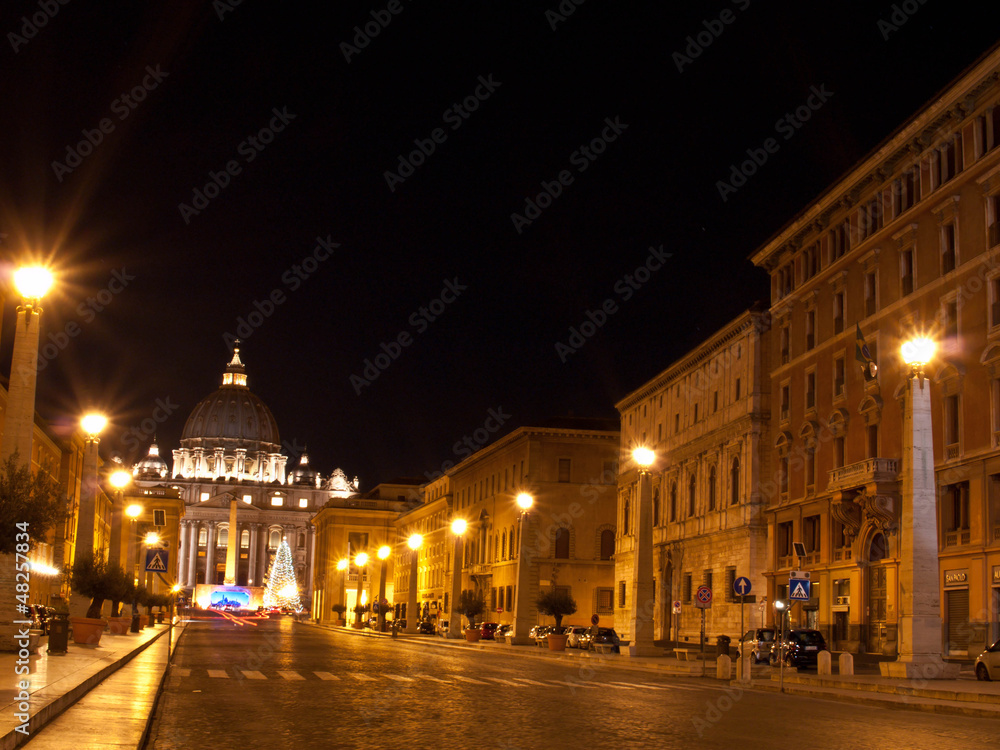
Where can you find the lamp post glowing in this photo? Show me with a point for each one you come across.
(133, 511)
(119, 479)
(458, 528)
(342, 565)
(415, 542)
(360, 561)
(92, 425)
(639, 628)
(383, 554)
(31, 283)
(920, 596)
(782, 608)
(525, 609)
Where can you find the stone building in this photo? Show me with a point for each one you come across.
(907, 242)
(706, 418)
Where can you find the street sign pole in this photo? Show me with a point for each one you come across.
(703, 642)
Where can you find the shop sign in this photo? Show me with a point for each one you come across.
(956, 577)
(996, 575)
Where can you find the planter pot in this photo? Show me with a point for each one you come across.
(159, 617)
(119, 625)
(557, 642)
(87, 631)
(472, 635)
(341, 623)
(34, 640)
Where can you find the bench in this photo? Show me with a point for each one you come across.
(687, 654)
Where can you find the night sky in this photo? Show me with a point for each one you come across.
(456, 184)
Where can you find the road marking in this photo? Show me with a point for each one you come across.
(567, 683)
(218, 673)
(252, 674)
(469, 680)
(362, 677)
(398, 678)
(290, 675)
(505, 682)
(433, 679)
(326, 676)
(621, 686)
(530, 682)
(181, 671)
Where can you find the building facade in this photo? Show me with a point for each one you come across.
(706, 417)
(906, 243)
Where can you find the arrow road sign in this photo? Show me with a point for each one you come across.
(156, 560)
(798, 589)
(741, 586)
(703, 597)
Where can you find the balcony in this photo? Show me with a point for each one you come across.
(955, 538)
(951, 451)
(869, 471)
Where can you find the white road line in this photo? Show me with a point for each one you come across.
(218, 673)
(362, 677)
(505, 682)
(469, 680)
(252, 674)
(290, 675)
(398, 677)
(433, 679)
(530, 682)
(181, 671)
(574, 684)
(326, 676)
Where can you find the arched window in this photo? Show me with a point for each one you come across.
(735, 482)
(625, 513)
(673, 501)
(274, 539)
(503, 545)
(692, 485)
(656, 507)
(302, 541)
(202, 537)
(562, 544)
(711, 489)
(607, 544)
(223, 537)
(513, 543)
(244, 539)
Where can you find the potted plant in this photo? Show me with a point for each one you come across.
(359, 610)
(471, 605)
(556, 603)
(340, 609)
(89, 577)
(139, 600)
(121, 588)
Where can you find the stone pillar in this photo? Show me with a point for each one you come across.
(192, 576)
(411, 592)
(455, 619)
(311, 559)
(19, 418)
(210, 554)
(115, 546)
(233, 546)
(640, 614)
(919, 582)
(252, 566)
(525, 609)
(88, 501)
(183, 529)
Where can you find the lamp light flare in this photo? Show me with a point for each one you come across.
(525, 501)
(120, 478)
(93, 423)
(152, 538)
(643, 456)
(133, 511)
(415, 541)
(342, 564)
(361, 559)
(33, 282)
(918, 352)
(384, 551)
(458, 526)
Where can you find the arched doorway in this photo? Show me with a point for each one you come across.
(877, 552)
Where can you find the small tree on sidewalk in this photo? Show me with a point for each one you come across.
(471, 604)
(556, 603)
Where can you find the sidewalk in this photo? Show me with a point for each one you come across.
(964, 696)
(69, 696)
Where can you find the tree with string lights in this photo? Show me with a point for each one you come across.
(282, 588)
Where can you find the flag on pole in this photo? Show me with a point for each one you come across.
(864, 356)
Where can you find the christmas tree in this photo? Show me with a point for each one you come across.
(282, 588)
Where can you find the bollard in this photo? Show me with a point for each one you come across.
(824, 663)
(723, 668)
(743, 669)
(846, 664)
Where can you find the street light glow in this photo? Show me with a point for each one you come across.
(643, 456)
(415, 541)
(361, 559)
(342, 563)
(32, 282)
(133, 511)
(458, 526)
(120, 478)
(780, 604)
(152, 538)
(384, 551)
(918, 352)
(525, 501)
(93, 424)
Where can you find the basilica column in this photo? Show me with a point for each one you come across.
(182, 549)
(310, 558)
(210, 554)
(252, 566)
(192, 576)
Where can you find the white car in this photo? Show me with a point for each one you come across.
(988, 663)
(573, 636)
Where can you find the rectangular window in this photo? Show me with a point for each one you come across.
(687, 587)
(696, 412)
(810, 262)
(510, 599)
(951, 424)
(839, 377)
(955, 507)
(730, 583)
(810, 390)
(737, 389)
(621, 593)
(785, 401)
(810, 329)
(872, 441)
(277, 500)
(785, 341)
(948, 249)
(906, 272)
(303, 502)
(995, 300)
(993, 219)
(838, 242)
(871, 293)
(811, 534)
(708, 579)
(677, 423)
(605, 601)
(838, 312)
(564, 467)
(785, 539)
(247, 499)
(838, 451)
(951, 318)
(715, 402)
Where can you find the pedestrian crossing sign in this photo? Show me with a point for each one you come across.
(156, 560)
(798, 589)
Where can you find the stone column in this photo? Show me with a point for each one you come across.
(455, 619)
(252, 567)
(210, 554)
(19, 419)
(311, 559)
(233, 546)
(88, 500)
(192, 576)
(525, 609)
(182, 548)
(640, 616)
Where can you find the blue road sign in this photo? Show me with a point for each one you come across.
(798, 589)
(156, 560)
(741, 586)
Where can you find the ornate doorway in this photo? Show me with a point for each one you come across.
(876, 595)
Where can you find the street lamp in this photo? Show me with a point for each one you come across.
(360, 561)
(92, 425)
(342, 565)
(133, 511)
(119, 479)
(458, 528)
(524, 606)
(782, 607)
(524, 502)
(920, 595)
(383, 554)
(415, 542)
(640, 614)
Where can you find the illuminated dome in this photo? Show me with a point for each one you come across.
(231, 433)
(303, 473)
(152, 466)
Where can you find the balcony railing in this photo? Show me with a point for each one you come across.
(954, 538)
(951, 451)
(864, 472)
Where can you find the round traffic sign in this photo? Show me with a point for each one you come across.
(704, 594)
(741, 586)
(594, 619)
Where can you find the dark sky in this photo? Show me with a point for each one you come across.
(209, 86)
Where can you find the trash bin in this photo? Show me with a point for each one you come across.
(722, 645)
(58, 633)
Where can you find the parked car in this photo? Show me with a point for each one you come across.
(599, 636)
(443, 629)
(502, 632)
(988, 663)
(802, 648)
(487, 629)
(573, 634)
(426, 627)
(539, 632)
(758, 644)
